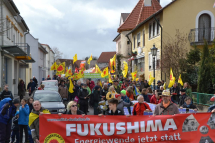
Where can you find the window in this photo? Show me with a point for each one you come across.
(134, 42)
(157, 61)
(138, 39)
(158, 27)
(141, 64)
(153, 29)
(8, 28)
(204, 31)
(150, 62)
(143, 38)
(150, 29)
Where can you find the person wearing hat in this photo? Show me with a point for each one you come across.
(158, 84)
(121, 104)
(31, 87)
(116, 86)
(63, 90)
(166, 107)
(182, 97)
(7, 112)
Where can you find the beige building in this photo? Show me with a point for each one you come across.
(192, 17)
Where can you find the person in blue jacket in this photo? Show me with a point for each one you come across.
(23, 120)
(7, 112)
(31, 86)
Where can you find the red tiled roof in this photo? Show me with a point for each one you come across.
(139, 14)
(105, 57)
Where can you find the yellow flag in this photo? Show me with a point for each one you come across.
(151, 79)
(54, 66)
(104, 72)
(75, 58)
(90, 59)
(180, 80)
(164, 86)
(134, 75)
(61, 68)
(100, 83)
(71, 86)
(125, 71)
(113, 64)
(68, 73)
(109, 78)
(172, 79)
(97, 70)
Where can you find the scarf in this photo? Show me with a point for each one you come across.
(34, 116)
(165, 105)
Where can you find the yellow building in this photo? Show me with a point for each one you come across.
(192, 17)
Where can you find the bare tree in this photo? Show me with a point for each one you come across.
(58, 53)
(173, 53)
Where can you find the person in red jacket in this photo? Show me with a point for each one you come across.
(90, 84)
(156, 98)
(130, 93)
(140, 107)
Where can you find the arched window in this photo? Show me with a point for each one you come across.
(204, 29)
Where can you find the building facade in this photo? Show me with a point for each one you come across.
(15, 52)
(49, 60)
(194, 18)
(39, 55)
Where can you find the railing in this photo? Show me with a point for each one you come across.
(25, 47)
(197, 36)
(202, 98)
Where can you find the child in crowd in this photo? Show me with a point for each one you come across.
(113, 107)
(23, 119)
(15, 129)
(188, 104)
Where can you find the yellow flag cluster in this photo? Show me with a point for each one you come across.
(97, 69)
(104, 72)
(125, 70)
(68, 73)
(134, 75)
(90, 59)
(151, 79)
(172, 79)
(113, 64)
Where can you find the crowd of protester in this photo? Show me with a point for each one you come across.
(18, 116)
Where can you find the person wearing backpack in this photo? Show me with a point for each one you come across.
(7, 112)
(140, 106)
(23, 120)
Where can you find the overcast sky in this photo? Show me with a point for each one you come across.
(76, 26)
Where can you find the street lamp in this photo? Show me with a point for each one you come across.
(154, 54)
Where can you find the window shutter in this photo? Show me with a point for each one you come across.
(143, 38)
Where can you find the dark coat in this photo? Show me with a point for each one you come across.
(96, 97)
(110, 112)
(32, 85)
(15, 126)
(30, 107)
(189, 107)
(83, 93)
(104, 93)
(176, 91)
(79, 112)
(6, 94)
(146, 98)
(35, 81)
(21, 89)
(181, 99)
(8, 111)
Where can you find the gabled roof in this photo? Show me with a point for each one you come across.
(105, 57)
(139, 14)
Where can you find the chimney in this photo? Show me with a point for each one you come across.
(147, 2)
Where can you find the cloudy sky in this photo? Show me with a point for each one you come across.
(76, 26)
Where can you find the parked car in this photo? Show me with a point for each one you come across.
(50, 83)
(50, 100)
(51, 88)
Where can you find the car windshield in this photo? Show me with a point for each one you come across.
(46, 83)
(51, 88)
(47, 97)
